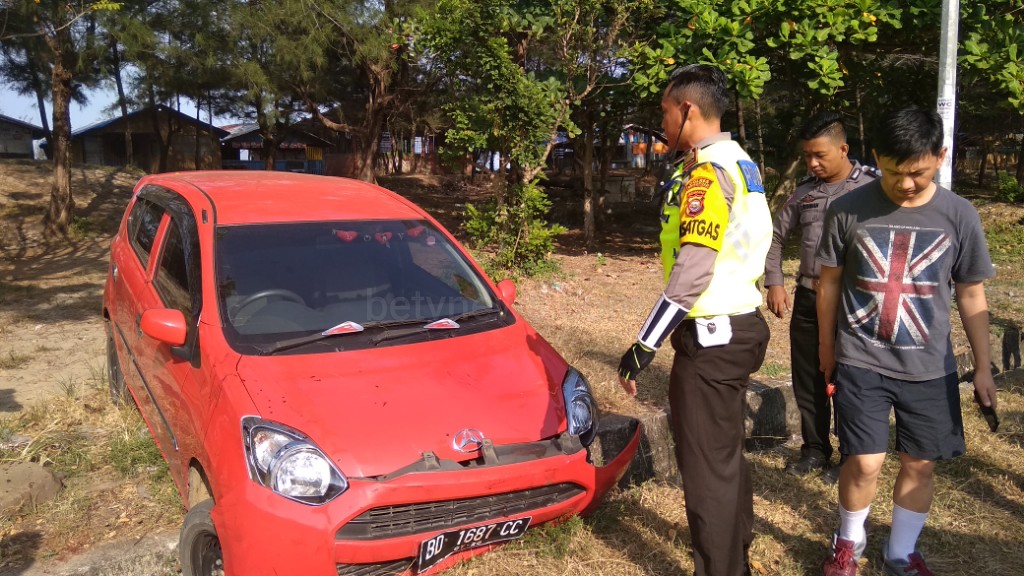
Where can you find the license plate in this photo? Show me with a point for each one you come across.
(445, 544)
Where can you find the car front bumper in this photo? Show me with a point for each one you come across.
(263, 533)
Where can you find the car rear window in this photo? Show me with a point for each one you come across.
(280, 281)
(143, 223)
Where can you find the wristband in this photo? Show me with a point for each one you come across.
(662, 320)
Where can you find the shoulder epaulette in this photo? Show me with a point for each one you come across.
(872, 171)
(806, 180)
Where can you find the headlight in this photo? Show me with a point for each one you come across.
(286, 461)
(580, 407)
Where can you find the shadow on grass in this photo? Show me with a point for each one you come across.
(19, 551)
(8, 403)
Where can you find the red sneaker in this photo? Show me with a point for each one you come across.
(913, 566)
(843, 558)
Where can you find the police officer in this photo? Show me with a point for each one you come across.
(716, 230)
(832, 174)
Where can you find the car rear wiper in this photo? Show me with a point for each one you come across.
(348, 327)
(444, 323)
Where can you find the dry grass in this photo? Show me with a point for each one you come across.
(83, 438)
(590, 313)
(118, 487)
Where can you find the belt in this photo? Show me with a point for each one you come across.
(755, 312)
(807, 282)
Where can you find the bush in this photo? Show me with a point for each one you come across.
(1007, 187)
(521, 238)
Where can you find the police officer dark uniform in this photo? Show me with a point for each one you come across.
(716, 230)
(832, 174)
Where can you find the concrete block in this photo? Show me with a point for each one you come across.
(26, 484)
(772, 419)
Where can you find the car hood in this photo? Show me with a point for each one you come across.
(376, 411)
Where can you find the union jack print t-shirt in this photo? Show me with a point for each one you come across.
(899, 269)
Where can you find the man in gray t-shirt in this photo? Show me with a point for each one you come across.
(892, 254)
(896, 267)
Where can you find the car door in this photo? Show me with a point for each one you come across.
(132, 263)
(175, 373)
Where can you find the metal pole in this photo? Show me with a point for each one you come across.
(946, 104)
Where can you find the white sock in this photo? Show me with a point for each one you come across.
(906, 527)
(851, 524)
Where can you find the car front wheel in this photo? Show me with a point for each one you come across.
(199, 547)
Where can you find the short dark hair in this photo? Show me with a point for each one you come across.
(703, 85)
(827, 123)
(909, 133)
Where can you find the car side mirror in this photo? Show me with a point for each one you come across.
(507, 291)
(164, 324)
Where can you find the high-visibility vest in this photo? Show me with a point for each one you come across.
(694, 212)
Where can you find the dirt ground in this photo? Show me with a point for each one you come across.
(51, 332)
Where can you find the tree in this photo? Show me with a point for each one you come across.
(993, 49)
(347, 62)
(67, 31)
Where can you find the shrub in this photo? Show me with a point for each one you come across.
(521, 238)
(1007, 187)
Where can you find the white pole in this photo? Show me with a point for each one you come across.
(946, 104)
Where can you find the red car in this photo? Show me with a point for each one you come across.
(337, 387)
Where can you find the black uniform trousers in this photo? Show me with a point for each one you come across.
(707, 395)
(808, 382)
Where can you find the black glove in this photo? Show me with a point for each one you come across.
(634, 360)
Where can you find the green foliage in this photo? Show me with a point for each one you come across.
(135, 454)
(553, 540)
(993, 46)
(1005, 242)
(522, 239)
(1007, 187)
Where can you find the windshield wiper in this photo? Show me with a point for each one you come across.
(444, 323)
(344, 328)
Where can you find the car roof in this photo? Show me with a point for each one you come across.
(256, 196)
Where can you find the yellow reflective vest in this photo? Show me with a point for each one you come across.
(696, 211)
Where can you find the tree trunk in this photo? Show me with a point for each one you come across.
(37, 87)
(741, 127)
(62, 205)
(1020, 162)
(400, 153)
(365, 156)
(984, 163)
(860, 128)
(787, 184)
(760, 138)
(198, 158)
(608, 140)
(589, 229)
(129, 151)
(649, 153)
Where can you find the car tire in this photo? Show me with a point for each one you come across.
(118, 390)
(198, 546)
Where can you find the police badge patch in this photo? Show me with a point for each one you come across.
(695, 202)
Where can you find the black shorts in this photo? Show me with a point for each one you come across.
(929, 424)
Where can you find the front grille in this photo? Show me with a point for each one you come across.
(382, 569)
(394, 521)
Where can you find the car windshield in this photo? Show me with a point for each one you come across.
(279, 282)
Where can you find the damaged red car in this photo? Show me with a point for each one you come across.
(337, 387)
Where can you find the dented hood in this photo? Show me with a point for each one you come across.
(378, 410)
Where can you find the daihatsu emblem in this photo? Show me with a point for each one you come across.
(468, 440)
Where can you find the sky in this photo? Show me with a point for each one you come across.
(24, 108)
